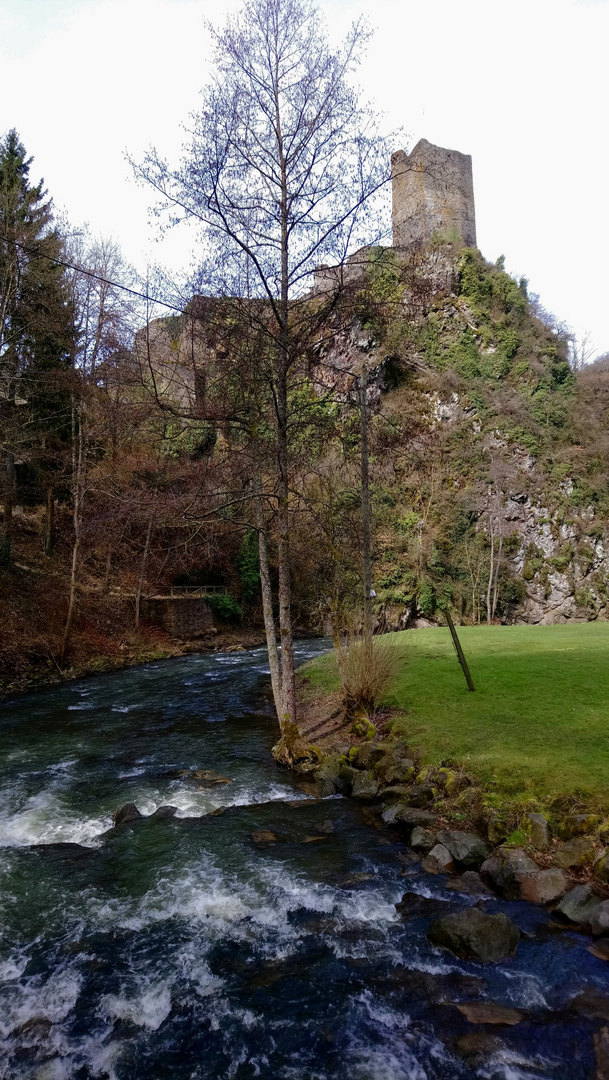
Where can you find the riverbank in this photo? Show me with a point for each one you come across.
(506, 783)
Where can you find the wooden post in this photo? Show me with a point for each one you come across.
(460, 653)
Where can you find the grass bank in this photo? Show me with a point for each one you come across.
(538, 720)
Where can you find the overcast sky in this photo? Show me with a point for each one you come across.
(520, 86)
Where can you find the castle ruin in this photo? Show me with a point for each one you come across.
(432, 196)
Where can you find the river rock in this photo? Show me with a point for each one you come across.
(128, 812)
(465, 847)
(600, 949)
(601, 867)
(474, 935)
(505, 868)
(264, 836)
(591, 1004)
(415, 906)
(496, 830)
(599, 923)
(422, 839)
(328, 773)
(470, 884)
(539, 831)
(579, 904)
(346, 778)
(420, 795)
(395, 766)
(365, 786)
(544, 886)
(368, 755)
(477, 1047)
(165, 812)
(577, 852)
(486, 1012)
(399, 814)
(601, 1047)
(577, 825)
(438, 861)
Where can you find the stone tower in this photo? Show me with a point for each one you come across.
(433, 195)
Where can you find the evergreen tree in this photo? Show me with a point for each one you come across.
(36, 331)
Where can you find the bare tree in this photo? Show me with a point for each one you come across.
(281, 175)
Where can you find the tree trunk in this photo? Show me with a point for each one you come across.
(78, 483)
(288, 687)
(6, 537)
(496, 585)
(366, 525)
(49, 529)
(267, 609)
(140, 584)
(490, 574)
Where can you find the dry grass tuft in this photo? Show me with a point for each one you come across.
(367, 668)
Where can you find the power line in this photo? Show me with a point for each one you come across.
(97, 277)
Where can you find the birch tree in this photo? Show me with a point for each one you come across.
(280, 175)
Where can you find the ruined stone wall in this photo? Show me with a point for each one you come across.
(433, 196)
(181, 616)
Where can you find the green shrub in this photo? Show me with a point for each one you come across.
(225, 607)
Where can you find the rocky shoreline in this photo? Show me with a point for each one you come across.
(560, 861)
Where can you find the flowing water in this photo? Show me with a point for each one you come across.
(181, 948)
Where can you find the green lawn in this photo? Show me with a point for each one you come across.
(538, 719)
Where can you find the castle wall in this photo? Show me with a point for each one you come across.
(433, 195)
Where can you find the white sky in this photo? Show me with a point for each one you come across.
(523, 87)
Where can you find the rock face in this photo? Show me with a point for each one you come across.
(505, 869)
(473, 935)
(465, 847)
(128, 812)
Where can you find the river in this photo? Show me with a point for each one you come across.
(181, 948)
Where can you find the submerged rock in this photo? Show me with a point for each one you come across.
(476, 1047)
(415, 906)
(474, 935)
(264, 836)
(470, 884)
(128, 812)
(486, 1012)
(465, 847)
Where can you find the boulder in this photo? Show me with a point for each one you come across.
(396, 791)
(346, 778)
(496, 830)
(599, 923)
(539, 831)
(403, 772)
(577, 852)
(365, 786)
(544, 886)
(394, 766)
(399, 814)
(328, 773)
(128, 812)
(505, 868)
(465, 847)
(473, 935)
(165, 812)
(601, 867)
(422, 839)
(420, 795)
(470, 884)
(414, 906)
(601, 1048)
(369, 755)
(579, 905)
(577, 825)
(438, 861)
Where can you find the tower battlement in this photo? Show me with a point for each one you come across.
(432, 195)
